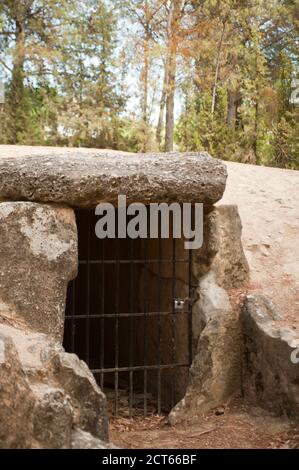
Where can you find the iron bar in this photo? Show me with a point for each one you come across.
(190, 338)
(73, 310)
(126, 315)
(173, 322)
(159, 329)
(134, 261)
(131, 375)
(87, 331)
(102, 317)
(116, 326)
(141, 368)
(145, 342)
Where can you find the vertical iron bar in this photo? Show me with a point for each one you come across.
(103, 312)
(173, 323)
(159, 325)
(73, 323)
(131, 377)
(87, 332)
(190, 309)
(116, 325)
(145, 338)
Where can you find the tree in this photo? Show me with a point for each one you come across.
(28, 29)
(175, 13)
(61, 85)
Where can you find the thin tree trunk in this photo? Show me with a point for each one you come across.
(233, 99)
(169, 125)
(162, 106)
(173, 24)
(17, 83)
(145, 74)
(256, 130)
(217, 69)
(145, 77)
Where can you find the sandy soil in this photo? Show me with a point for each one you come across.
(268, 201)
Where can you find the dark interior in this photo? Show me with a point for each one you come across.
(121, 318)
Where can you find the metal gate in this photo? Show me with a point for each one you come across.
(128, 316)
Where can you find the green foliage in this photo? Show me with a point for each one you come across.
(135, 134)
(68, 68)
(285, 141)
(257, 63)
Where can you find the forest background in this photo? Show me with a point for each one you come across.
(153, 75)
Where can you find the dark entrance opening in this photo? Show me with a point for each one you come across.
(128, 316)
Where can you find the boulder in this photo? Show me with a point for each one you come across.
(215, 370)
(38, 257)
(84, 440)
(48, 398)
(222, 250)
(16, 399)
(270, 376)
(83, 179)
(219, 265)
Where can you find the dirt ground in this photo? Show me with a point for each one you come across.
(231, 426)
(268, 204)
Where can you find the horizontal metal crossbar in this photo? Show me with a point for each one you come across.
(127, 315)
(134, 261)
(139, 368)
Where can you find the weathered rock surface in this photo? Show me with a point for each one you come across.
(270, 378)
(215, 371)
(84, 440)
(16, 399)
(48, 398)
(81, 179)
(219, 265)
(222, 251)
(38, 257)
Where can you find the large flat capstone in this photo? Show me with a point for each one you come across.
(84, 178)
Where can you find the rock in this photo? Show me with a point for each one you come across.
(82, 179)
(270, 378)
(219, 265)
(84, 440)
(16, 399)
(46, 395)
(215, 370)
(213, 303)
(79, 382)
(53, 417)
(222, 251)
(38, 257)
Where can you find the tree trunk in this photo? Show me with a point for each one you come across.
(256, 130)
(175, 12)
(17, 84)
(217, 69)
(169, 124)
(233, 101)
(162, 106)
(145, 76)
